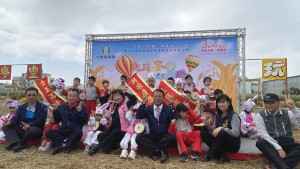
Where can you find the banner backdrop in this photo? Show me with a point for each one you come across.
(5, 72)
(200, 57)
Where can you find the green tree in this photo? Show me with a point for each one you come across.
(294, 91)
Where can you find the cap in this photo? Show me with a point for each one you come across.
(271, 97)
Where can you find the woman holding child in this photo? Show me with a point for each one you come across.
(110, 139)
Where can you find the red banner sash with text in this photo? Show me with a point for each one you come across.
(49, 96)
(139, 87)
(170, 91)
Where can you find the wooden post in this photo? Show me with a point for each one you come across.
(286, 78)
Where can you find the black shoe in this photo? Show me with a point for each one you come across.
(154, 158)
(11, 146)
(164, 157)
(58, 149)
(184, 157)
(94, 150)
(224, 158)
(206, 158)
(19, 147)
(117, 151)
(195, 155)
(71, 148)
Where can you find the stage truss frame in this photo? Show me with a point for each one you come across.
(240, 33)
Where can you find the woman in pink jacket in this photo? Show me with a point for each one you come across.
(110, 139)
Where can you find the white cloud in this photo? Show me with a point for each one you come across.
(56, 29)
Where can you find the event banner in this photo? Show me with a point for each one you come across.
(199, 57)
(170, 91)
(140, 88)
(5, 72)
(49, 96)
(34, 71)
(274, 69)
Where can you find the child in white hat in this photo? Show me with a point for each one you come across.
(130, 135)
(92, 133)
(13, 107)
(248, 127)
(150, 79)
(179, 84)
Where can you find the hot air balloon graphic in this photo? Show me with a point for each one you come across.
(125, 65)
(192, 62)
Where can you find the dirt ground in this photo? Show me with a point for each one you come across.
(32, 158)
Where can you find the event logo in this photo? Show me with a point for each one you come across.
(105, 49)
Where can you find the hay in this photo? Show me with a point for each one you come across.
(31, 158)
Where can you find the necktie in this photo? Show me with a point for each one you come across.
(157, 109)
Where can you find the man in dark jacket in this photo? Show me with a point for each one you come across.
(159, 118)
(72, 115)
(274, 129)
(27, 124)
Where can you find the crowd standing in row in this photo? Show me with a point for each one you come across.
(165, 125)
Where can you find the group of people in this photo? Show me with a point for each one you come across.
(166, 125)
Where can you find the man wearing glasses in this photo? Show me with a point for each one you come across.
(27, 124)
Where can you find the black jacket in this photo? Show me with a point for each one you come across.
(39, 118)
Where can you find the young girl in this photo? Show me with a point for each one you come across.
(207, 117)
(47, 143)
(179, 85)
(58, 87)
(151, 80)
(13, 107)
(130, 134)
(206, 90)
(91, 136)
(247, 119)
(202, 104)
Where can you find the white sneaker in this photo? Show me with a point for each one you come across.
(124, 153)
(42, 145)
(132, 155)
(87, 148)
(47, 146)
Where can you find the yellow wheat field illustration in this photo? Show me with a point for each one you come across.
(227, 81)
(99, 74)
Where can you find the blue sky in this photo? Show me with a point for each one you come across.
(53, 32)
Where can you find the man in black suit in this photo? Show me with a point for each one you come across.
(159, 117)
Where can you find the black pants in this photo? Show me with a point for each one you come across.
(110, 140)
(218, 146)
(15, 134)
(155, 143)
(291, 149)
(67, 137)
